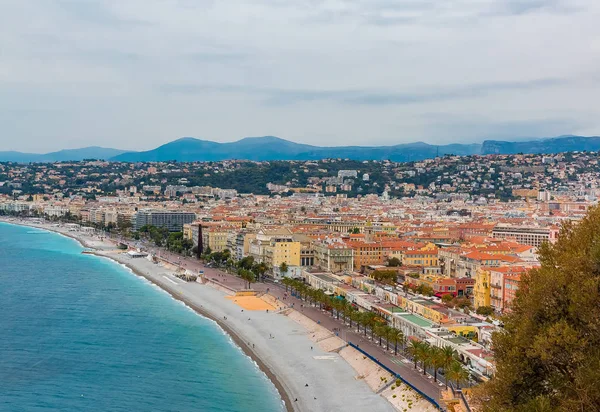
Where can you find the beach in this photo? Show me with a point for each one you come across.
(312, 369)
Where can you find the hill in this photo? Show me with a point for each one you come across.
(92, 152)
(551, 145)
(274, 148)
(189, 149)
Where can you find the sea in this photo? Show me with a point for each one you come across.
(82, 333)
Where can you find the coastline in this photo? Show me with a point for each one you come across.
(241, 343)
(340, 377)
(285, 396)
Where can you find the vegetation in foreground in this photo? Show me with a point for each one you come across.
(548, 356)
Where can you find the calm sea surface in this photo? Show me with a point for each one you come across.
(81, 333)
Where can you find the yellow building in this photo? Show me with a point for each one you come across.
(426, 256)
(283, 252)
(215, 238)
(481, 290)
(468, 332)
(187, 231)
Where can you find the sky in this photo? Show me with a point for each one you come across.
(135, 74)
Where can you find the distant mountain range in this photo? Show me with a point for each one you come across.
(92, 152)
(189, 149)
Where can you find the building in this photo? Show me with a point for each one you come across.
(481, 291)
(333, 256)
(527, 235)
(511, 285)
(171, 220)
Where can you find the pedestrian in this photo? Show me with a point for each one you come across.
(311, 348)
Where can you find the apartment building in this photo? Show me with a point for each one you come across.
(172, 220)
(527, 235)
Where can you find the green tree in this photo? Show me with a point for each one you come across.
(415, 349)
(457, 373)
(437, 360)
(394, 262)
(397, 337)
(485, 310)
(549, 348)
(283, 268)
(449, 355)
(447, 299)
(247, 275)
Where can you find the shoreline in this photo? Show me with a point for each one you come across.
(340, 377)
(279, 386)
(285, 396)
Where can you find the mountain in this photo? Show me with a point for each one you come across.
(92, 152)
(551, 145)
(274, 148)
(189, 149)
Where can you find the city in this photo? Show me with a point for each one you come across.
(440, 265)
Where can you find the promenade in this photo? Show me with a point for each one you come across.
(399, 364)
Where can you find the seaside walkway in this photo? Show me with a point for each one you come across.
(398, 364)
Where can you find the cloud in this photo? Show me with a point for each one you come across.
(363, 97)
(143, 72)
(95, 12)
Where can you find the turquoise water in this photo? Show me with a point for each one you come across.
(81, 333)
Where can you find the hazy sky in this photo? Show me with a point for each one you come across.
(134, 74)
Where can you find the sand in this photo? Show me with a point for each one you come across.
(285, 345)
(250, 303)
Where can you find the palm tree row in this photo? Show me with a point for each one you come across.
(444, 358)
(369, 321)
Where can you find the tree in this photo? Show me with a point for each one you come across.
(385, 276)
(260, 269)
(548, 350)
(448, 354)
(426, 356)
(379, 332)
(397, 337)
(246, 262)
(394, 262)
(414, 350)
(425, 290)
(485, 310)
(437, 360)
(447, 299)
(355, 231)
(457, 373)
(283, 268)
(247, 275)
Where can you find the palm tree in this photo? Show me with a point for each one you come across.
(396, 336)
(320, 296)
(344, 307)
(370, 322)
(365, 320)
(337, 305)
(387, 332)
(426, 356)
(437, 360)
(357, 316)
(457, 373)
(414, 349)
(379, 331)
(448, 354)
